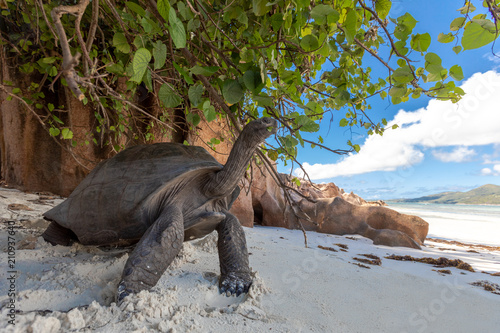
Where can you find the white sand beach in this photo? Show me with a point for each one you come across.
(295, 289)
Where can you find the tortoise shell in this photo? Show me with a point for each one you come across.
(109, 204)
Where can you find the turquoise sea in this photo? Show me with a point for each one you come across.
(465, 223)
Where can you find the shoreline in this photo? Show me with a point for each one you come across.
(437, 203)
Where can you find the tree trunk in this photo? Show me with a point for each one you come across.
(31, 159)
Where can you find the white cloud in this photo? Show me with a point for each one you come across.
(459, 154)
(486, 172)
(494, 157)
(494, 59)
(490, 172)
(475, 120)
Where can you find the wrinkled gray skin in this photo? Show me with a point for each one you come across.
(159, 196)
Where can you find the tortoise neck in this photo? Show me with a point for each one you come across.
(223, 183)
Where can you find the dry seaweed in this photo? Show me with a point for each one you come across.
(439, 262)
(488, 286)
(443, 271)
(374, 260)
(360, 265)
(327, 248)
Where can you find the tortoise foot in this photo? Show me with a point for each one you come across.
(235, 284)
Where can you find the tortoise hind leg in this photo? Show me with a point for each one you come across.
(153, 254)
(233, 257)
(58, 235)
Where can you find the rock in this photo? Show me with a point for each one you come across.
(242, 207)
(331, 211)
(16, 206)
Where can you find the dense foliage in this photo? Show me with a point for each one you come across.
(294, 60)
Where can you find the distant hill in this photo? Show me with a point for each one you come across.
(486, 194)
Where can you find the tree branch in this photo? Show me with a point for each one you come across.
(69, 61)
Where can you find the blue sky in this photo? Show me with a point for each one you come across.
(439, 146)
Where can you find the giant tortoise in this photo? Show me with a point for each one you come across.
(158, 196)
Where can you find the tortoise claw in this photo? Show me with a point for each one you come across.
(122, 292)
(235, 284)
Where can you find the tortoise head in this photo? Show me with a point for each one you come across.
(257, 131)
(223, 182)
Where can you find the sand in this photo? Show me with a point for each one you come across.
(295, 289)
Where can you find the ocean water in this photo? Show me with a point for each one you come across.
(465, 223)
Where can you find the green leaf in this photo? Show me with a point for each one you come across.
(56, 119)
(433, 63)
(214, 141)
(320, 14)
(383, 7)
(397, 91)
(457, 49)
(235, 12)
(184, 73)
(176, 29)
(54, 131)
(457, 23)
(205, 71)
(210, 114)
(350, 26)
(115, 69)
(209, 111)
(121, 43)
(403, 75)
(445, 38)
(305, 124)
(272, 154)
(468, 8)
(146, 25)
(16, 90)
(67, 133)
(260, 7)
(343, 122)
(142, 57)
(253, 80)
(232, 91)
(159, 54)
(49, 60)
(52, 71)
(405, 25)
(136, 8)
(195, 92)
(277, 21)
(263, 100)
(193, 118)
(456, 72)
(148, 80)
(420, 42)
(309, 43)
(478, 34)
(163, 7)
(168, 97)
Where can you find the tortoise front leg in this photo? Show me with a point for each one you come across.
(233, 257)
(153, 254)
